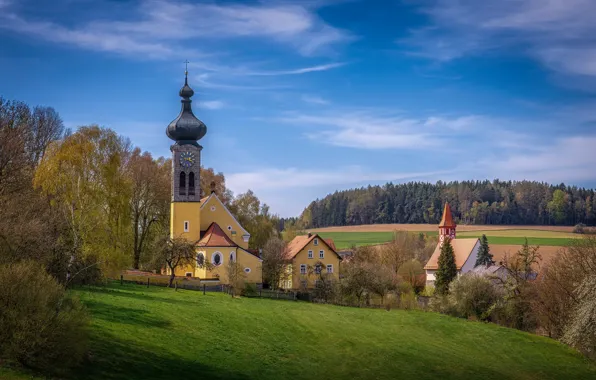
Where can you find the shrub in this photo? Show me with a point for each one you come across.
(41, 327)
(249, 290)
(579, 228)
(472, 296)
(413, 272)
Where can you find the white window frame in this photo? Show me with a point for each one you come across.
(311, 254)
(247, 270)
(316, 241)
(233, 256)
(186, 226)
(328, 267)
(321, 254)
(213, 258)
(302, 268)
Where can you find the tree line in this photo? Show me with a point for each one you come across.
(472, 202)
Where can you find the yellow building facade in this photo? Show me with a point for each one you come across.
(310, 259)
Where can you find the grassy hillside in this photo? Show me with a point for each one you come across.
(156, 333)
(495, 237)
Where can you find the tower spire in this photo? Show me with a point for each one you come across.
(186, 72)
(447, 225)
(186, 128)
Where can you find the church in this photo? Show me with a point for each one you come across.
(464, 250)
(204, 220)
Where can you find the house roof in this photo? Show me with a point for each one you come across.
(447, 220)
(299, 242)
(331, 244)
(215, 237)
(462, 248)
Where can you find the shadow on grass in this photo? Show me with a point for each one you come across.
(133, 293)
(125, 315)
(114, 358)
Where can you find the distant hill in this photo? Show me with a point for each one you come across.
(472, 202)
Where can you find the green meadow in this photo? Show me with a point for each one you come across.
(157, 333)
(344, 240)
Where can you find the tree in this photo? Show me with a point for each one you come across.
(557, 205)
(175, 253)
(382, 281)
(484, 255)
(447, 270)
(236, 277)
(473, 296)
(256, 218)
(275, 262)
(413, 273)
(85, 177)
(149, 201)
(580, 332)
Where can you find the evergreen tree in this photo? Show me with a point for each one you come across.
(447, 270)
(484, 255)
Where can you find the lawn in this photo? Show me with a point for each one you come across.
(156, 333)
(344, 240)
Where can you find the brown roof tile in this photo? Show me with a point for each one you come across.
(461, 249)
(299, 242)
(330, 243)
(447, 220)
(215, 237)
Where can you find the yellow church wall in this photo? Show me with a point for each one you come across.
(329, 257)
(182, 212)
(215, 211)
(245, 259)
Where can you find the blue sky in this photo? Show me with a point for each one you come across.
(302, 98)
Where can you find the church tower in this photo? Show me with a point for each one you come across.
(447, 225)
(186, 130)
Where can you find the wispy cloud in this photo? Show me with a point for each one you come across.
(559, 33)
(312, 99)
(160, 28)
(378, 130)
(303, 70)
(288, 178)
(211, 104)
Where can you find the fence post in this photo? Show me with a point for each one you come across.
(147, 281)
(121, 280)
(203, 289)
(261, 293)
(176, 286)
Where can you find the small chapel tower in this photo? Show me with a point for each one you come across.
(447, 225)
(186, 130)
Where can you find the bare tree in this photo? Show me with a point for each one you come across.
(275, 262)
(236, 277)
(45, 127)
(150, 198)
(175, 253)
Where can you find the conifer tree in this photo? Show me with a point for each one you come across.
(447, 270)
(484, 255)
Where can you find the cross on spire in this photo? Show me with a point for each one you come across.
(186, 71)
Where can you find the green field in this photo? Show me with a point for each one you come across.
(157, 333)
(344, 240)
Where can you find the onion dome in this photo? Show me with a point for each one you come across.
(186, 128)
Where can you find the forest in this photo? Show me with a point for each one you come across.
(472, 202)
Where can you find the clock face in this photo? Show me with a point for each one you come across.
(187, 159)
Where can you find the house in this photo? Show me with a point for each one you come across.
(465, 250)
(206, 221)
(309, 257)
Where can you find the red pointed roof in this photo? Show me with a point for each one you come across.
(447, 220)
(215, 237)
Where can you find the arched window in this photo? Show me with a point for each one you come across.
(182, 183)
(200, 260)
(217, 258)
(191, 183)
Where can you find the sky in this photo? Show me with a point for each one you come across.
(303, 98)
